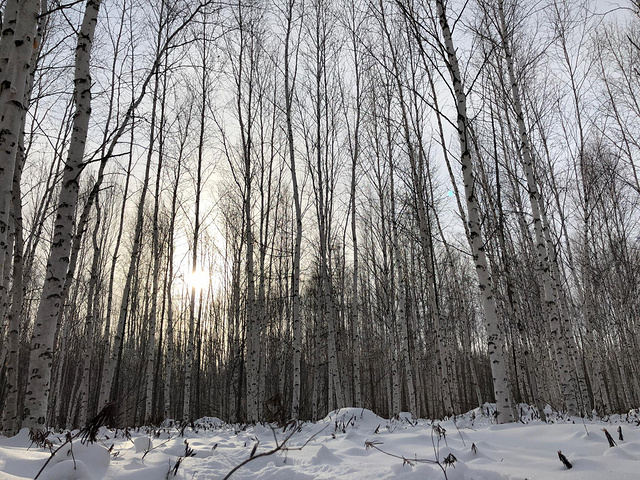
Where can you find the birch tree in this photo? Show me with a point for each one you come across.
(170, 349)
(10, 418)
(204, 85)
(321, 160)
(495, 17)
(356, 23)
(46, 319)
(289, 92)
(16, 48)
(501, 384)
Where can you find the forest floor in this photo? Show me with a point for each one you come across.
(347, 444)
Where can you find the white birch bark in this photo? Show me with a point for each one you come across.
(9, 17)
(569, 338)
(252, 331)
(92, 306)
(5, 279)
(384, 157)
(317, 356)
(245, 77)
(354, 144)
(188, 367)
(236, 335)
(600, 396)
(46, 319)
(325, 207)
(10, 416)
(400, 311)
(168, 365)
(355, 301)
(266, 189)
(501, 386)
(170, 267)
(17, 49)
(155, 248)
(394, 386)
(563, 364)
(289, 88)
(335, 386)
(187, 407)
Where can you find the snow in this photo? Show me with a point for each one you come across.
(347, 444)
(143, 444)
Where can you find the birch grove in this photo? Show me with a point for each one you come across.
(267, 211)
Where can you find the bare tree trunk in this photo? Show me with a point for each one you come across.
(354, 146)
(155, 249)
(90, 321)
(112, 347)
(10, 417)
(566, 384)
(289, 89)
(57, 265)
(170, 268)
(501, 385)
(400, 310)
(112, 377)
(16, 48)
(323, 194)
(252, 331)
(9, 18)
(5, 278)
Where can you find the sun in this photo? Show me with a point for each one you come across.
(200, 279)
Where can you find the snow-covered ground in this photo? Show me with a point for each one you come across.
(348, 444)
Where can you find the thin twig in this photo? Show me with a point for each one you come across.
(368, 445)
(279, 447)
(50, 457)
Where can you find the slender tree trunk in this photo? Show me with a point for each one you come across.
(9, 18)
(501, 386)
(289, 88)
(11, 418)
(170, 267)
(113, 375)
(563, 364)
(322, 187)
(16, 50)
(155, 249)
(400, 312)
(252, 330)
(187, 407)
(354, 144)
(90, 320)
(57, 265)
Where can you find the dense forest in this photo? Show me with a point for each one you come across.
(267, 210)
